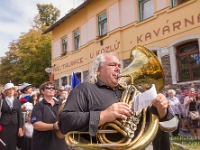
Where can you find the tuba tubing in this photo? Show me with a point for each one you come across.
(143, 71)
(57, 132)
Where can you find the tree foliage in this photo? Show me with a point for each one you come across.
(71, 9)
(28, 56)
(48, 14)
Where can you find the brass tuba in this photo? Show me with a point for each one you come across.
(57, 132)
(143, 71)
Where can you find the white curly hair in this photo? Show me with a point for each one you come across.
(97, 63)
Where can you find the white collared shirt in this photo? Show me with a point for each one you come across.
(9, 101)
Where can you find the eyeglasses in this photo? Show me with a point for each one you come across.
(50, 87)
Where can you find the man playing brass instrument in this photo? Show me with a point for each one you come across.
(94, 103)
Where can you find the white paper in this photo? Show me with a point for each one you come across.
(145, 99)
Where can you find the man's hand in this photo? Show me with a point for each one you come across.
(55, 125)
(119, 110)
(162, 104)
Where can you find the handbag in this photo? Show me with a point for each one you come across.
(170, 125)
(193, 115)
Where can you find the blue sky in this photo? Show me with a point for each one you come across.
(16, 17)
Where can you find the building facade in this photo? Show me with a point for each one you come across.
(169, 28)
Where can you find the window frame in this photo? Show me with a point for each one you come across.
(174, 3)
(76, 39)
(64, 80)
(102, 21)
(141, 9)
(190, 65)
(177, 2)
(64, 45)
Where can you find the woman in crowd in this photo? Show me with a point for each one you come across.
(33, 98)
(187, 91)
(11, 118)
(1, 95)
(183, 121)
(43, 120)
(64, 96)
(178, 93)
(191, 104)
(198, 99)
(26, 90)
(175, 105)
(68, 88)
(40, 97)
(166, 89)
(27, 132)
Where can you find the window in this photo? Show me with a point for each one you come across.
(78, 74)
(188, 61)
(64, 45)
(64, 80)
(177, 2)
(146, 9)
(102, 22)
(76, 40)
(155, 52)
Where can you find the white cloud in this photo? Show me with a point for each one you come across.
(16, 17)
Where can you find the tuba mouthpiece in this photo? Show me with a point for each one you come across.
(122, 75)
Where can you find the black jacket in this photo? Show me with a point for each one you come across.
(15, 115)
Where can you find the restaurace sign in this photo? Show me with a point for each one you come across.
(83, 60)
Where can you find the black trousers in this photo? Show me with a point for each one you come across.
(161, 141)
(9, 136)
(175, 133)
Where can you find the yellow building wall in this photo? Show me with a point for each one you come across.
(163, 28)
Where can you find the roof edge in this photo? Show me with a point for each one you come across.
(67, 16)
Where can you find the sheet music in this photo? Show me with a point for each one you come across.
(145, 99)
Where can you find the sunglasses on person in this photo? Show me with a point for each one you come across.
(50, 88)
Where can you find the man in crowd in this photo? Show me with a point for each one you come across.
(59, 93)
(96, 102)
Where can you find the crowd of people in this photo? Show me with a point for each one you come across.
(19, 105)
(183, 103)
(31, 115)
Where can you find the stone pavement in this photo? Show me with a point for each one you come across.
(150, 147)
(187, 135)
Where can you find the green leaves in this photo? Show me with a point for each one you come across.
(28, 56)
(48, 14)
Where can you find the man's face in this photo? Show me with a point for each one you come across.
(107, 73)
(49, 91)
